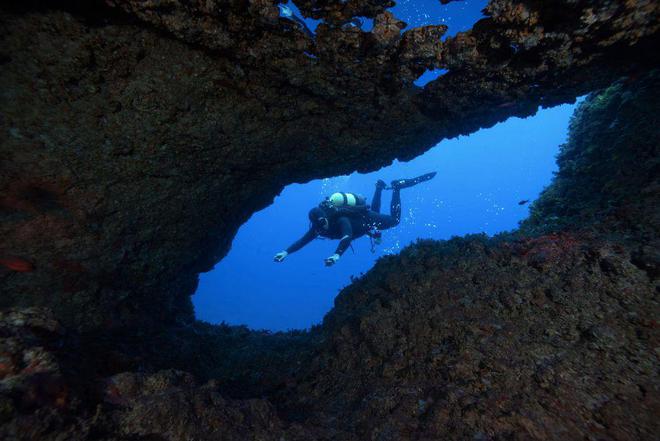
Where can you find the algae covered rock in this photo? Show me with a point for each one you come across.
(136, 137)
(608, 170)
(548, 338)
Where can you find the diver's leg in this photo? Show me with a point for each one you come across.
(381, 221)
(395, 206)
(375, 201)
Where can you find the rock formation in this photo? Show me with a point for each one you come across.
(137, 136)
(123, 125)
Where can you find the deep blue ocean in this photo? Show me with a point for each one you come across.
(481, 180)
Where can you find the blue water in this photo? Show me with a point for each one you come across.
(481, 178)
(429, 76)
(458, 16)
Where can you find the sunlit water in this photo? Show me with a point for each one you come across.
(481, 178)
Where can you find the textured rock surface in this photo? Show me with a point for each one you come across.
(136, 139)
(170, 404)
(38, 395)
(551, 338)
(608, 171)
(139, 137)
(49, 391)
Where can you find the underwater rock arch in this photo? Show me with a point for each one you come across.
(154, 148)
(133, 138)
(538, 334)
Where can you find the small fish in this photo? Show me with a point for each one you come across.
(17, 264)
(523, 202)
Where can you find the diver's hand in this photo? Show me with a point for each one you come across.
(332, 260)
(279, 257)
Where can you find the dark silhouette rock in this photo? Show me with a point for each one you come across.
(136, 137)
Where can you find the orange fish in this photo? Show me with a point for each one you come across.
(17, 264)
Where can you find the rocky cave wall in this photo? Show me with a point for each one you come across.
(136, 139)
(545, 333)
(137, 136)
(548, 333)
(608, 169)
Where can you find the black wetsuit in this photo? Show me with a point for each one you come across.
(349, 227)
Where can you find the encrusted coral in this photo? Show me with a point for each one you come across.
(136, 139)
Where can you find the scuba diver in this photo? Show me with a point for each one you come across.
(346, 216)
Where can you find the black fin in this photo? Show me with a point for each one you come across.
(405, 183)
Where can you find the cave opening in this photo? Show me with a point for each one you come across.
(482, 181)
(458, 16)
(429, 75)
(137, 142)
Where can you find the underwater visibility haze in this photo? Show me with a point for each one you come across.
(246, 289)
(481, 180)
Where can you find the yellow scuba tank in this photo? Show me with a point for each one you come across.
(347, 200)
(345, 204)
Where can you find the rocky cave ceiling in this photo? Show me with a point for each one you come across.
(137, 136)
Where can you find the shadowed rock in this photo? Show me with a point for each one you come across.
(135, 141)
(155, 147)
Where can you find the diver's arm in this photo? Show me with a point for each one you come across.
(307, 238)
(346, 235)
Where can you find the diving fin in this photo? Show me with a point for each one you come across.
(405, 183)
